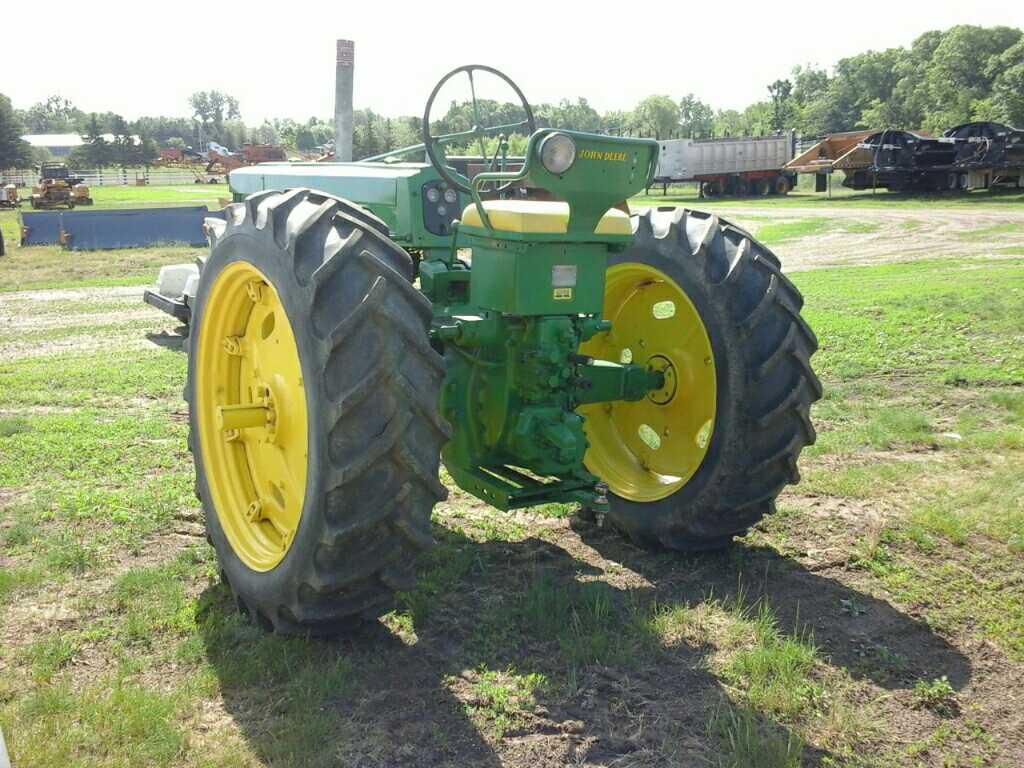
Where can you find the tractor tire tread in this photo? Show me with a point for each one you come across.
(362, 312)
(772, 384)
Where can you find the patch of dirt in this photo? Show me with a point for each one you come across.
(942, 232)
(73, 344)
(74, 294)
(8, 495)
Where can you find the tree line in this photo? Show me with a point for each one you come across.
(942, 79)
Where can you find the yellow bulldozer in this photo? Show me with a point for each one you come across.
(57, 188)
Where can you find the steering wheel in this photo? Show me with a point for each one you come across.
(435, 144)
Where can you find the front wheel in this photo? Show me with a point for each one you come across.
(702, 459)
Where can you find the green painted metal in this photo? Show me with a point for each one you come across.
(392, 191)
(510, 322)
(524, 278)
(511, 327)
(607, 170)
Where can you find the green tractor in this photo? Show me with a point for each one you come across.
(510, 321)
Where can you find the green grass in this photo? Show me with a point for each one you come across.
(45, 267)
(519, 630)
(746, 742)
(772, 234)
(109, 723)
(49, 655)
(184, 194)
(503, 698)
(774, 671)
(951, 322)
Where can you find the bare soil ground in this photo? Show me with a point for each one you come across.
(892, 235)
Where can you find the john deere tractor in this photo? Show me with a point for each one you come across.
(509, 320)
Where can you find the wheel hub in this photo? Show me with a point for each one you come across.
(648, 449)
(664, 395)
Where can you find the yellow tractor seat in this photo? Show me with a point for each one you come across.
(540, 217)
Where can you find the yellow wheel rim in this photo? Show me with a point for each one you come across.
(648, 449)
(252, 417)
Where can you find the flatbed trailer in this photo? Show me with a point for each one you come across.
(730, 166)
(976, 155)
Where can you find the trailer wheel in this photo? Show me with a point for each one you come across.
(740, 187)
(711, 188)
(764, 187)
(782, 185)
(696, 463)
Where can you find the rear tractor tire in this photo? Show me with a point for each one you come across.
(313, 396)
(701, 460)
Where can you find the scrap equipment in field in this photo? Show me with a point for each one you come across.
(9, 196)
(729, 166)
(57, 188)
(976, 155)
(357, 324)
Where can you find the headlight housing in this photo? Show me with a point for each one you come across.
(557, 153)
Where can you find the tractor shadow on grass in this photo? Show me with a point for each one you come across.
(368, 698)
(435, 683)
(867, 636)
(174, 341)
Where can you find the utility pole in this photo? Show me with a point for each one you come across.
(343, 101)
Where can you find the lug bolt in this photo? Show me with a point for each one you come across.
(255, 290)
(232, 345)
(255, 512)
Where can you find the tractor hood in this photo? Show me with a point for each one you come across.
(391, 191)
(366, 183)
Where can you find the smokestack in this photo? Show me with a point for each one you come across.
(343, 101)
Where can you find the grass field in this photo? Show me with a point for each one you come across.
(876, 620)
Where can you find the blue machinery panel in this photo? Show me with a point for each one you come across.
(117, 228)
(40, 228)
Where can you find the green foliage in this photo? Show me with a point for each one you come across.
(696, 118)
(937, 695)
(14, 153)
(219, 116)
(945, 78)
(55, 115)
(657, 116)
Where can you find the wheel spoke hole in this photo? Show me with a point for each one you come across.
(663, 310)
(649, 436)
(267, 326)
(703, 436)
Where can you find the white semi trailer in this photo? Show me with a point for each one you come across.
(739, 166)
